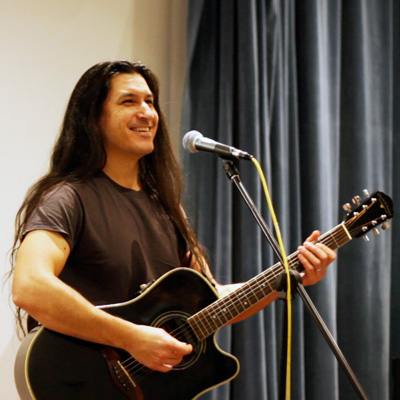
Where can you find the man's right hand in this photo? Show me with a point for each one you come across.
(156, 349)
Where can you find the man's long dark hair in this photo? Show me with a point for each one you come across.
(79, 154)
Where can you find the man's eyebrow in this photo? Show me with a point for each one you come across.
(133, 94)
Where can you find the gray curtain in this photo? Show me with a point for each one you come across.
(311, 89)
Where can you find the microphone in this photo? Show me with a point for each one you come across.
(194, 141)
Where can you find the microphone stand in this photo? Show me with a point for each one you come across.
(234, 176)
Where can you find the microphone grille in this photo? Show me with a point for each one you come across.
(188, 141)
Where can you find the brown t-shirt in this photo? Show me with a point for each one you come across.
(119, 238)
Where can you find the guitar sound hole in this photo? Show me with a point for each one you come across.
(174, 322)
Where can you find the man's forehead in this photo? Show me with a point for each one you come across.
(130, 83)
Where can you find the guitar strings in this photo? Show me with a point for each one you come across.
(245, 293)
(248, 291)
(269, 276)
(329, 239)
(139, 371)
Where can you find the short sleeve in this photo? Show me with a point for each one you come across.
(59, 211)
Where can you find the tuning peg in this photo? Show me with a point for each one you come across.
(366, 193)
(386, 225)
(376, 232)
(366, 238)
(356, 200)
(347, 207)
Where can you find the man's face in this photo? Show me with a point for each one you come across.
(129, 120)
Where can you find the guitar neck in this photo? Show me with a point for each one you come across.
(224, 310)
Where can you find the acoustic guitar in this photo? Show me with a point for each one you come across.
(52, 366)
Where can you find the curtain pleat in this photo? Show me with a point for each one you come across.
(311, 90)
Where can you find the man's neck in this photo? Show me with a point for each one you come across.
(125, 174)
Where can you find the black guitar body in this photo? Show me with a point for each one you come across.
(53, 366)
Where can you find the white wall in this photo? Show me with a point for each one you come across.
(45, 45)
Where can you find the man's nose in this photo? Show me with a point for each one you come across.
(144, 110)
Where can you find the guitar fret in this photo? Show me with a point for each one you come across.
(234, 303)
(237, 303)
(202, 327)
(213, 317)
(206, 323)
(195, 327)
(222, 314)
(243, 300)
(219, 313)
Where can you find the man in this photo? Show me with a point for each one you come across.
(108, 217)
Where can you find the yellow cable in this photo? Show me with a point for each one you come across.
(286, 266)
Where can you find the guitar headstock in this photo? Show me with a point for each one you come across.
(376, 209)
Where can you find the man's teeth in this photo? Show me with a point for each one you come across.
(141, 129)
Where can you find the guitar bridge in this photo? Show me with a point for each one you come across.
(120, 376)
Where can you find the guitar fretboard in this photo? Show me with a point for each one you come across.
(222, 311)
